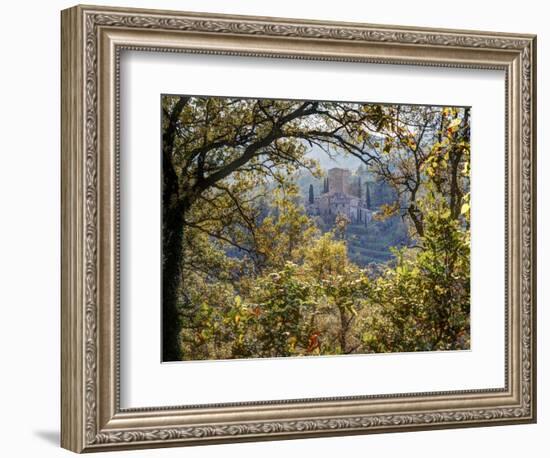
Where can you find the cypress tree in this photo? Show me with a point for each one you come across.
(311, 195)
(367, 197)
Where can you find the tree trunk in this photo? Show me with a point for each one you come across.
(172, 238)
(171, 274)
(342, 335)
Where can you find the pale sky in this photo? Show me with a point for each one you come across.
(342, 160)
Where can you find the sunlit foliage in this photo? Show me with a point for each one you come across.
(247, 273)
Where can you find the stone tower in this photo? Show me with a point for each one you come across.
(338, 180)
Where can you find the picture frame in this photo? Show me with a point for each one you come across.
(93, 39)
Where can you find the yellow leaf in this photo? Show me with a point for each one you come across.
(454, 123)
(465, 208)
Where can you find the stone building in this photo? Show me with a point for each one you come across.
(341, 194)
(339, 181)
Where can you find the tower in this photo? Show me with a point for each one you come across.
(338, 180)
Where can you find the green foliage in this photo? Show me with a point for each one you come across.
(285, 231)
(423, 303)
(311, 197)
(315, 301)
(257, 277)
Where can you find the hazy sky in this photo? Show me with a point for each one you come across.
(342, 160)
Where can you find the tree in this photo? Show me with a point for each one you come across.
(420, 145)
(204, 142)
(210, 143)
(285, 232)
(325, 185)
(342, 294)
(423, 303)
(367, 196)
(233, 222)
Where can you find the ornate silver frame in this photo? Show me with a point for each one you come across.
(92, 39)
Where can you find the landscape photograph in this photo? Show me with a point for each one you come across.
(302, 228)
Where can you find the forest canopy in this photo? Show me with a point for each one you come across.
(298, 228)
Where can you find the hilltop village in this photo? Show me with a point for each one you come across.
(358, 197)
(342, 193)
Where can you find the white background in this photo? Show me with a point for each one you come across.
(29, 242)
(146, 75)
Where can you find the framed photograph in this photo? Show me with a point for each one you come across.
(278, 228)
